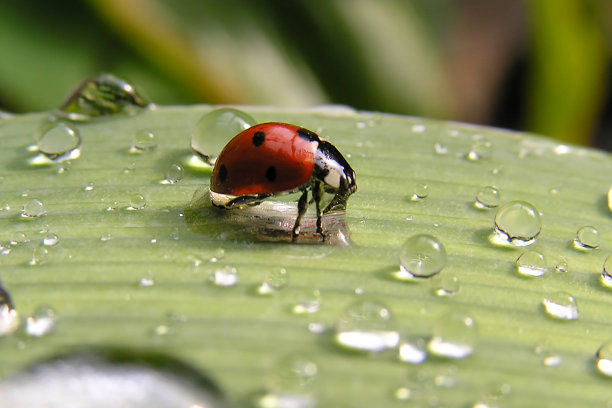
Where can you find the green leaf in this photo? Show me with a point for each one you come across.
(91, 276)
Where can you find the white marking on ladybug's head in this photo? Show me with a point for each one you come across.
(334, 175)
(333, 169)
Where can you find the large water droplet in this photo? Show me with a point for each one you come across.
(104, 94)
(454, 336)
(174, 174)
(215, 129)
(33, 208)
(224, 276)
(366, 325)
(604, 359)
(517, 223)
(587, 238)
(143, 141)
(41, 322)
(487, 198)
(421, 256)
(59, 142)
(561, 305)
(9, 319)
(276, 280)
(606, 272)
(531, 263)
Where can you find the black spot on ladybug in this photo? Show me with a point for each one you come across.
(308, 135)
(271, 173)
(259, 138)
(222, 173)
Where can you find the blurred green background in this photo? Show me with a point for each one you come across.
(535, 65)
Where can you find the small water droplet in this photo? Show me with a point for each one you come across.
(482, 149)
(413, 352)
(487, 198)
(439, 148)
(562, 149)
(215, 129)
(446, 284)
(112, 206)
(421, 256)
(224, 276)
(604, 359)
(606, 273)
(290, 379)
(587, 238)
(19, 237)
(147, 281)
(137, 202)
(552, 360)
(454, 336)
(101, 95)
(420, 192)
(59, 142)
(610, 199)
(33, 208)
(39, 255)
(359, 291)
(366, 325)
(106, 237)
(316, 327)
(418, 128)
(276, 280)
(517, 223)
(308, 306)
(561, 305)
(174, 174)
(89, 186)
(218, 255)
(144, 140)
(161, 330)
(9, 318)
(50, 239)
(561, 267)
(41, 322)
(531, 263)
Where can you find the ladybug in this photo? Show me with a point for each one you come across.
(274, 158)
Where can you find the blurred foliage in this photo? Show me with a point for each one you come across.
(541, 66)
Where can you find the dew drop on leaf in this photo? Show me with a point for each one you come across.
(9, 318)
(604, 359)
(561, 306)
(214, 129)
(366, 325)
(454, 336)
(446, 284)
(41, 322)
(587, 238)
(487, 198)
(144, 140)
(275, 281)
(137, 202)
(50, 239)
(289, 382)
(174, 174)
(561, 267)
(39, 254)
(517, 223)
(224, 276)
(531, 263)
(413, 351)
(482, 149)
(421, 256)
(59, 142)
(420, 192)
(32, 208)
(606, 272)
(19, 237)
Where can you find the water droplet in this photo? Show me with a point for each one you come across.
(174, 174)
(137, 202)
(59, 142)
(146, 282)
(276, 280)
(316, 327)
(143, 141)
(606, 273)
(104, 94)
(482, 149)
(531, 263)
(439, 148)
(19, 237)
(290, 379)
(561, 267)
(39, 255)
(421, 256)
(610, 199)
(162, 330)
(225, 276)
(487, 198)
(517, 223)
(413, 352)
(562, 149)
(418, 128)
(41, 322)
(89, 186)
(112, 206)
(552, 360)
(454, 336)
(561, 305)
(446, 284)
(106, 237)
(604, 359)
(421, 191)
(215, 129)
(50, 239)
(9, 318)
(310, 305)
(366, 325)
(587, 238)
(33, 208)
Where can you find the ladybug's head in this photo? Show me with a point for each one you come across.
(333, 170)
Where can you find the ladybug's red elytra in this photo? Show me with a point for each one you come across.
(278, 158)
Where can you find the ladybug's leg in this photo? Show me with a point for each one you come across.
(302, 206)
(316, 196)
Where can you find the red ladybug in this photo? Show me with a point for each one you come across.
(277, 158)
